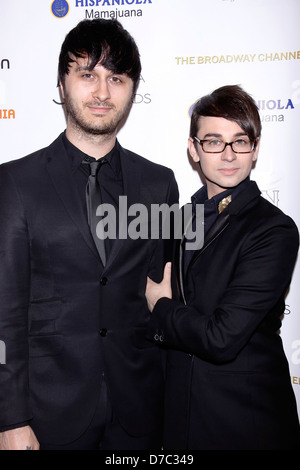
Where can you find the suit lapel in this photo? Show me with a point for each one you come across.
(60, 174)
(217, 228)
(248, 197)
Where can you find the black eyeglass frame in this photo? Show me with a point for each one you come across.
(201, 142)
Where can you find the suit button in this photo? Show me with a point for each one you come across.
(158, 338)
(103, 281)
(103, 332)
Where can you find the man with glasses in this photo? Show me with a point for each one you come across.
(228, 382)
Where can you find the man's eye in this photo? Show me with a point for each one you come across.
(115, 79)
(214, 143)
(87, 76)
(241, 142)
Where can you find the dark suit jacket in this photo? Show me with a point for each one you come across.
(63, 317)
(228, 383)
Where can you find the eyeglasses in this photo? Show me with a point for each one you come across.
(218, 146)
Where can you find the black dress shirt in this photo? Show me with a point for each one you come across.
(211, 210)
(109, 178)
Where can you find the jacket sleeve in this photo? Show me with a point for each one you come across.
(14, 295)
(165, 246)
(254, 294)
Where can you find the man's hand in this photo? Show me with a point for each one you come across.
(155, 291)
(19, 439)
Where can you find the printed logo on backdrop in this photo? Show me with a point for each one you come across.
(5, 112)
(140, 97)
(295, 356)
(4, 64)
(296, 352)
(271, 110)
(274, 110)
(295, 346)
(279, 56)
(60, 8)
(272, 195)
(112, 9)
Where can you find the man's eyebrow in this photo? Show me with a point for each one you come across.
(87, 68)
(82, 68)
(212, 134)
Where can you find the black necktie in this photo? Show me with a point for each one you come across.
(93, 200)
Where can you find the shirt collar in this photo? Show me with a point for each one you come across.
(200, 197)
(76, 156)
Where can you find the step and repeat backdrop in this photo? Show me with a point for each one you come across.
(188, 48)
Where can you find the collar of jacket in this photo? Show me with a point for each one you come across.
(245, 200)
(58, 167)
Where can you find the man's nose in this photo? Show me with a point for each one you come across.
(228, 154)
(101, 90)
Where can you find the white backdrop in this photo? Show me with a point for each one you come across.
(188, 48)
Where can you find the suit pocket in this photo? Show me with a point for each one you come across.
(45, 310)
(43, 316)
(44, 339)
(45, 345)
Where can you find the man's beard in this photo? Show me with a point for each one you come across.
(98, 127)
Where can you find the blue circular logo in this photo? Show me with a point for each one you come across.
(60, 8)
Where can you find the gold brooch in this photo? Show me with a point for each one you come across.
(224, 203)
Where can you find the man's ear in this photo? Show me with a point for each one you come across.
(61, 89)
(193, 150)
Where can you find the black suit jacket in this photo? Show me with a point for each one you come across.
(228, 383)
(63, 317)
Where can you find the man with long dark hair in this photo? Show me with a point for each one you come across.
(79, 372)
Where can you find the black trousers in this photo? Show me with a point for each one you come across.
(106, 433)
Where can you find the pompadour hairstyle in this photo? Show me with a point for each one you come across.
(230, 102)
